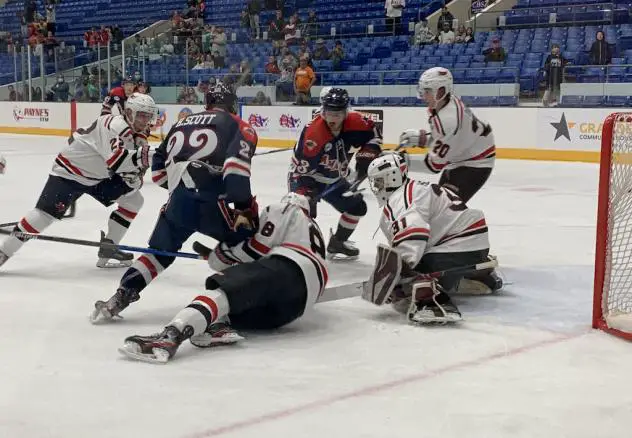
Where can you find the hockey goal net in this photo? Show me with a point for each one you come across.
(612, 307)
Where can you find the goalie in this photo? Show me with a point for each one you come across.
(429, 229)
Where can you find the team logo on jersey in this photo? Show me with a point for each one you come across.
(289, 121)
(60, 207)
(311, 145)
(184, 112)
(328, 147)
(258, 121)
(30, 113)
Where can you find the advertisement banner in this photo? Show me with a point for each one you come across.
(478, 6)
(570, 128)
(36, 115)
(277, 122)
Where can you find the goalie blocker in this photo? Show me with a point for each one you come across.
(429, 230)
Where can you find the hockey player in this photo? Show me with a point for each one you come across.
(107, 161)
(429, 229)
(460, 144)
(205, 163)
(265, 282)
(117, 96)
(321, 159)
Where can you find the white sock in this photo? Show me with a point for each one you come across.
(34, 222)
(203, 311)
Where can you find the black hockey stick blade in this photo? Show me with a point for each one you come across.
(8, 224)
(202, 249)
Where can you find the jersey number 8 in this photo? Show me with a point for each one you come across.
(315, 237)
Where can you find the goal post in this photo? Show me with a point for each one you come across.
(612, 301)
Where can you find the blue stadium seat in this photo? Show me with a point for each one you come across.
(593, 101)
(507, 100)
(617, 101)
(572, 101)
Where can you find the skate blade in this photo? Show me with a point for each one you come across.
(101, 315)
(335, 257)
(443, 320)
(113, 264)
(130, 350)
(202, 341)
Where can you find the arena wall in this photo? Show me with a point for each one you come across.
(559, 134)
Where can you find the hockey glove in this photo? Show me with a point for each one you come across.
(363, 159)
(413, 138)
(141, 157)
(247, 218)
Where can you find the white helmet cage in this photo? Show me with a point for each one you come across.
(142, 103)
(434, 79)
(386, 174)
(297, 200)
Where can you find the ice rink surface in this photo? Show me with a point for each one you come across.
(524, 363)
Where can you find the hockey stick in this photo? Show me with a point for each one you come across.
(8, 224)
(29, 236)
(275, 151)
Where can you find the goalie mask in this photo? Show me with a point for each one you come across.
(140, 111)
(386, 174)
(297, 200)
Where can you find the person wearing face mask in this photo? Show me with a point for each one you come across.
(60, 89)
(321, 160)
(554, 69)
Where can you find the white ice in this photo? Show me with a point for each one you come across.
(523, 364)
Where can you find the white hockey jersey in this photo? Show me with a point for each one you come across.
(284, 231)
(421, 218)
(458, 138)
(94, 153)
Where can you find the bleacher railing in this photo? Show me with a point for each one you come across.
(567, 14)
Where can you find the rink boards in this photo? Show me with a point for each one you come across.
(557, 134)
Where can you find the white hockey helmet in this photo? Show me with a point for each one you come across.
(323, 93)
(297, 200)
(137, 104)
(433, 79)
(387, 173)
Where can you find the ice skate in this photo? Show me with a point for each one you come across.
(108, 310)
(431, 312)
(341, 249)
(158, 348)
(220, 333)
(110, 257)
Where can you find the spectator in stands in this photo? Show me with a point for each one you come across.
(291, 31)
(218, 60)
(204, 62)
(445, 17)
(600, 52)
(337, 55)
(460, 34)
(60, 89)
(49, 46)
(495, 53)
(394, 9)
(230, 80)
(93, 90)
(287, 60)
(423, 35)
(311, 27)
(36, 94)
(469, 35)
(254, 9)
(80, 90)
(13, 96)
(245, 74)
(554, 70)
(261, 99)
(187, 96)
(104, 36)
(304, 79)
(277, 24)
(244, 19)
(51, 17)
(272, 67)
(30, 7)
(446, 36)
(166, 48)
(321, 52)
(219, 42)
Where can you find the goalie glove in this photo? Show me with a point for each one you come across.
(413, 138)
(248, 217)
(363, 158)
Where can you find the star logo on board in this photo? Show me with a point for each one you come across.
(561, 128)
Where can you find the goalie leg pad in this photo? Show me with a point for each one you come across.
(386, 275)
